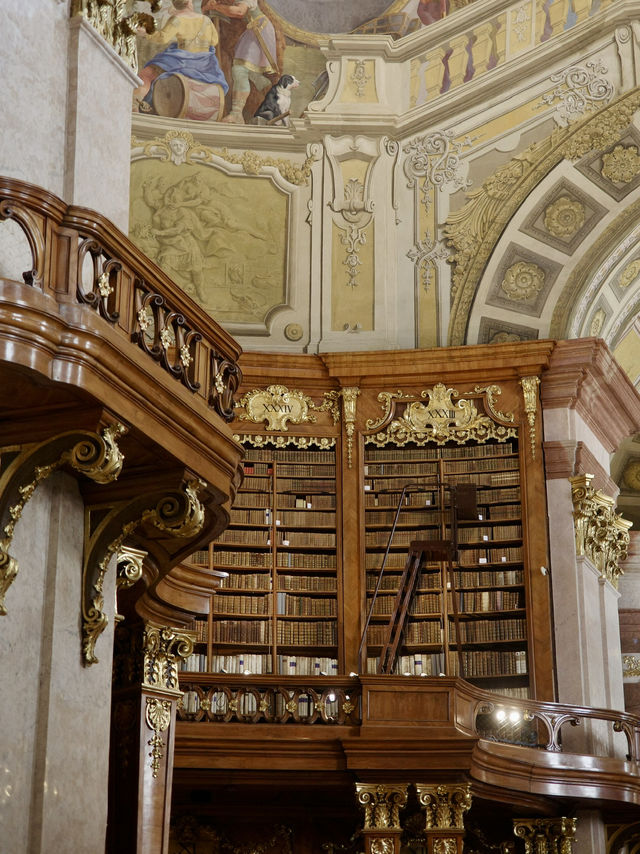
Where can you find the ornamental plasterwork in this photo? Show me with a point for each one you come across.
(425, 254)
(631, 475)
(629, 274)
(382, 804)
(440, 419)
(580, 89)
(622, 164)
(564, 217)
(360, 78)
(597, 322)
(179, 147)
(523, 281)
(355, 212)
(473, 231)
(277, 405)
(436, 157)
(602, 535)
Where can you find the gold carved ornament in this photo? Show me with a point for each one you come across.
(564, 217)
(546, 835)
(349, 401)
(445, 804)
(523, 281)
(530, 392)
(179, 514)
(95, 456)
(164, 648)
(158, 718)
(602, 535)
(445, 417)
(622, 164)
(630, 665)
(473, 231)
(277, 405)
(382, 804)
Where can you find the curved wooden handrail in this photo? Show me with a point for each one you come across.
(78, 256)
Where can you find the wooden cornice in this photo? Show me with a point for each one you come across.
(583, 375)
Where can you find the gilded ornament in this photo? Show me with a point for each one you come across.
(382, 804)
(445, 846)
(382, 846)
(445, 804)
(564, 217)
(622, 164)
(164, 649)
(602, 535)
(523, 281)
(629, 274)
(546, 835)
(530, 393)
(349, 400)
(158, 719)
(129, 562)
(109, 19)
(630, 665)
(277, 405)
(441, 419)
(258, 441)
(104, 288)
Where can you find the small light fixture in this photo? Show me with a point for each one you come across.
(501, 715)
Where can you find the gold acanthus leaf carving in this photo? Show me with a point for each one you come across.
(180, 147)
(277, 405)
(445, 804)
(382, 804)
(530, 392)
(441, 419)
(548, 835)
(473, 231)
(164, 648)
(602, 535)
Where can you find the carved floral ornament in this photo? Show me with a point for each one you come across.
(602, 535)
(622, 164)
(382, 804)
(564, 217)
(164, 648)
(445, 805)
(158, 719)
(547, 835)
(445, 416)
(277, 405)
(523, 281)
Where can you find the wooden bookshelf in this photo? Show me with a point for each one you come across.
(276, 612)
(488, 576)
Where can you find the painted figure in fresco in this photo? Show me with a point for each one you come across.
(190, 41)
(255, 51)
(430, 11)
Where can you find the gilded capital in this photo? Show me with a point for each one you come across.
(445, 804)
(164, 647)
(382, 804)
(602, 535)
(546, 835)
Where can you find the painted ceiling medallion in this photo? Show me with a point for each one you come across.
(629, 274)
(564, 217)
(523, 281)
(622, 164)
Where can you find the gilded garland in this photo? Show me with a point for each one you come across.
(440, 415)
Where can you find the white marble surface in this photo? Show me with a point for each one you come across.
(56, 720)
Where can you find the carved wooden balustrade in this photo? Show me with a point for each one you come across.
(269, 699)
(79, 257)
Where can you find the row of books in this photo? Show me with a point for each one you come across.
(199, 628)
(306, 606)
(409, 468)
(308, 470)
(257, 468)
(241, 631)
(419, 664)
(387, 517)
(195, 663)
(260, 484)
(247, 581)
(303, 486)
(289, 456)
(306, 561)
(304, 518)
(316, 633)
(232, 557)
(309, 583)
(391, 499)
(244, 536)
(429, 603)
(489, 532)
(482, 631)
(306, 538)
(264, 500)
(401, 537)
(470, 601)
(391, 579)
(431, 453)
(489, 464)
(504, 554)
(497, 496)
(491, 662)
(498, 512)
(232, 604)
(422, 632)
(488, 578)
(306, 665)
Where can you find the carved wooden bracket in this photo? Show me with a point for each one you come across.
(95, 456)
(277, 405)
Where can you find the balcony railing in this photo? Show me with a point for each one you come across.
(79, 257)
